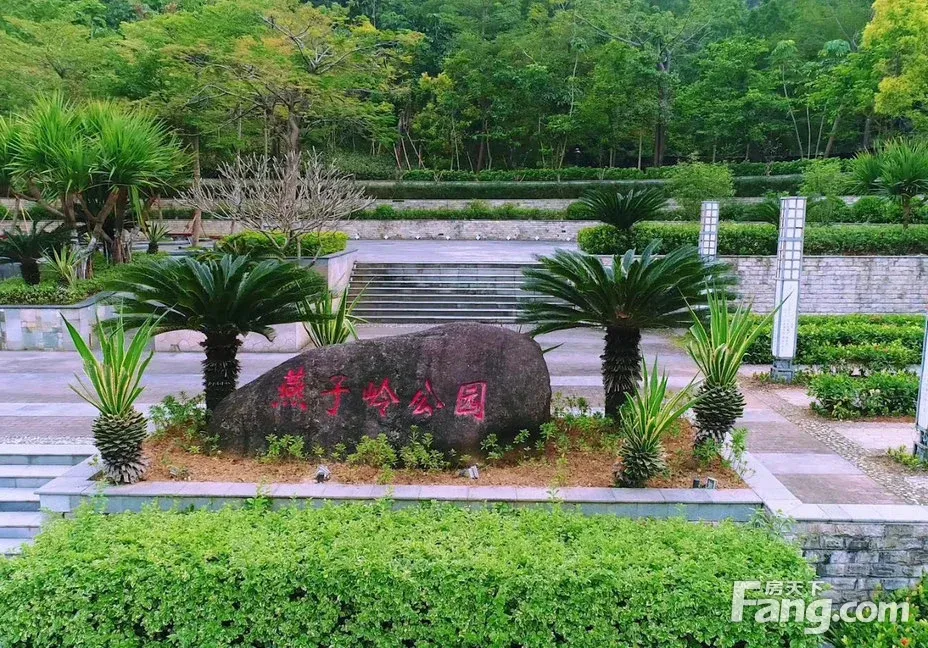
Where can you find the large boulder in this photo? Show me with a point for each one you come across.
(459, 382)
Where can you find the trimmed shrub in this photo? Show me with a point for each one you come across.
(823, 178)
(912, 633)
(692, 183)
(362, 575)
(259, 243)
(859, 341)
(828, 210)
(746, 239)
(842, 396)
(753, 187)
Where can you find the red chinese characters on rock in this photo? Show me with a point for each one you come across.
(292, 391)
(425, 402)
(472, 400)
(380, 398)
(336, 393)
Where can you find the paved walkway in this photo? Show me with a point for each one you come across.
(799, 463)
(454, 251)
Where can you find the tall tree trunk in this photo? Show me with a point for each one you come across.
(621, 367)
(868, 128)
(833, 136)
(220, 368)
(196, 223)
(293, 132)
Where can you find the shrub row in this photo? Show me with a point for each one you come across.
(884, 393)
(50, 291)
(366, 168)
(886, 634)
(744, 187)
(744, 239)
(851, 341)
(261, 244)
(363, 575)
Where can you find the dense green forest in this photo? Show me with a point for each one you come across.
(480, 84)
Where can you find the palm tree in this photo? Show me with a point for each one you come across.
(222, 298)
(115, 385)
(622, 211)
(898, 171)
(27, 247)
(634, 293)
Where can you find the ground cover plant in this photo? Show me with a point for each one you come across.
(882, 393)
(577, 448)
(272, 244)
(886, 634)
(52, 291)
(363, 575)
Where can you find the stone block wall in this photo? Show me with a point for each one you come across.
(833, 285)
(41, 328)
(856, 558)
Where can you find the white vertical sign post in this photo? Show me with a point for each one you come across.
(921, 414)
(789, 272)
(709, 230)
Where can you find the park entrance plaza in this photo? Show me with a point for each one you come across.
(596, 324)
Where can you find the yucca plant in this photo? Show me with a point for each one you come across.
(223, 298)
(634, 293)
(27, 247)
(328, 325)
(718, 349)
(115, 385)
(645, 418)
(66, 263)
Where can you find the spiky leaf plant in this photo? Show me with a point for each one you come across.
(115, 385)
(26, 247)
(327, 325)
(622, 211)
(646, 417)
(224, 298)
(634, 293)
(718, 350)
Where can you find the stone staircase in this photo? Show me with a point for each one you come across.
(23, 469)
(435, 293)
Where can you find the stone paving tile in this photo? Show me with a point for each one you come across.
(875, 436)
(806, 463)
(837, 489)
(783, 437)
(761, 416)
(53, 427)
(797, 396)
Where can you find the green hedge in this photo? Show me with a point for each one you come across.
(888, 634)
(260, 243)
(745, 239)
(842, 396)
(458, 190)
(50, 292)
(873, 341)
(369, 168)
(362, 575)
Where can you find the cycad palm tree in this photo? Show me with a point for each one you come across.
(898, 171)
(222, 298)
(635, 293)
(26, 247)
(622, 211)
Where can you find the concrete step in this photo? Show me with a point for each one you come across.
(29, 476)
(440, 265)
(12, 546)
(436, 290)
(43, 455)
(20, 525)
(411, 282)
(436, 319)
(18, 500)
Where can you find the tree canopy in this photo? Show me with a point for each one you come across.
(477, 84)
